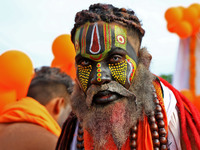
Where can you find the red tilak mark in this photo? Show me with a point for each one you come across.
(95, 42)
(120, 39)
(96, 58)
(109, 37)
(105, 36)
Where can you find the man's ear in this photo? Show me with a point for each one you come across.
(59, 105)
(55, 107)
(145, 57)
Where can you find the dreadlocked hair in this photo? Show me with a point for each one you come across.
(108, 13)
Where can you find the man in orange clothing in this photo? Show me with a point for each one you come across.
(117, 102)
(31, 123)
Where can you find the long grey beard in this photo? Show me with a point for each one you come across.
(117, 118)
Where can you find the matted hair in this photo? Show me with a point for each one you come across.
(108, 13)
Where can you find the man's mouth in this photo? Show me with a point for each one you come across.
(105, 97)
(106, 93)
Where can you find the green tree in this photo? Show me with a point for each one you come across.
(167, 77)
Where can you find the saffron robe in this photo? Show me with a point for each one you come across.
(29, 110)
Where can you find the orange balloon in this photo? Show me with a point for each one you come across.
(6, 97)
(63, 48)
(195, 27)
(174, 14)
(64, 52)
(70, 70)
(56, 63)
(181, 7)
(16, 71)
(184, 29)
(172, 27)
(190, 14)
(197, 7)
(67, 67)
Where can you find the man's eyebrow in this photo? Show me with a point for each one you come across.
(117, 50)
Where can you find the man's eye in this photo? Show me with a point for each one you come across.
(85, 62)
(116, 59)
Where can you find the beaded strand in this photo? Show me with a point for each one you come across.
(158, 116)
(80, 139)
(133, 137)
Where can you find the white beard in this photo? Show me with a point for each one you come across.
(117, 118)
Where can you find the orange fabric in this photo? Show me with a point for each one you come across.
(160, 98)
(144, 138)
(110, 145)
(29, 110)
(88, 141)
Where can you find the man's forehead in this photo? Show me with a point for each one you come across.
(95, 40)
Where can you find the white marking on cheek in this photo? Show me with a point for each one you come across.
(129, 74)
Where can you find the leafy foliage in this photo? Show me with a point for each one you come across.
(167, 77)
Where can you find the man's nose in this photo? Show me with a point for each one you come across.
(101, 75)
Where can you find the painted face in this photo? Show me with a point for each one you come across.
(103, 54)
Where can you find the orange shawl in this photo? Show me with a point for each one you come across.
(144, 138)
(29, 110)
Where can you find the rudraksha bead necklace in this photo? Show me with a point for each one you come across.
(133, 137)
(80, 139)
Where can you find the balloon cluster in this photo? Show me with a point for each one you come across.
(16, 72)
(64, 55)
(183, 21)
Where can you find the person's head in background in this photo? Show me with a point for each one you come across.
(52, 88)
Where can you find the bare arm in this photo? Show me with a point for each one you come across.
(23, 136)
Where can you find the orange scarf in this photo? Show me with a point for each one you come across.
(144, 138)
(29, 110)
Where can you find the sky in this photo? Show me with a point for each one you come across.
(31, 26)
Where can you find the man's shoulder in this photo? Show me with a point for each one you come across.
(26, 136)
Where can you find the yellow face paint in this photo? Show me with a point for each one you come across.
(96, 43)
